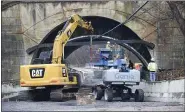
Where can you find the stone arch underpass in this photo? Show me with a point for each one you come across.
(101, 25)
(25, 24)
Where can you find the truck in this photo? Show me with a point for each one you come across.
(48, 74)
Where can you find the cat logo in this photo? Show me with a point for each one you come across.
(37, 73)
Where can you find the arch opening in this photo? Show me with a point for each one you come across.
(127, 46)
(101, 25)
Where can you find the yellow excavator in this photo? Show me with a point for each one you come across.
(55, 75)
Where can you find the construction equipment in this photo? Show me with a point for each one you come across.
(109, 57)
(104, 55)
(48, 70)
(116, 82)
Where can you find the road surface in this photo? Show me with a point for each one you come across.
(71, 105)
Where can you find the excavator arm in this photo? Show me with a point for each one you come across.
(65, 34)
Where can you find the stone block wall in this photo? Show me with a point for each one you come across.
(12, 47)
(171, 45)
(26, 24)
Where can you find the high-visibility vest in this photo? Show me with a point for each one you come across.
(152, 66)
(108, 46)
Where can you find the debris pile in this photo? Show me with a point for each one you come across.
(84, 97)
(173, 74)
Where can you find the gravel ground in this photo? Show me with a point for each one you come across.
(98, 106)
(72, 105)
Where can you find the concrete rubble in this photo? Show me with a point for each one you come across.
(85, 99)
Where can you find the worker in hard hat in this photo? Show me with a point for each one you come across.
(126, 59)
(123, 68)
(152, 67)
(108, 46)
(131, 65)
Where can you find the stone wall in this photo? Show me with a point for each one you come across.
(12, 49)
(170, 45)
(26, 24)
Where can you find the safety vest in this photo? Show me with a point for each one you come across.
(108, 46)
(152, 66)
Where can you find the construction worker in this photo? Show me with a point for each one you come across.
(108, 46)
(152, 67)
(131, 65)
(126, 59)
(123, 68)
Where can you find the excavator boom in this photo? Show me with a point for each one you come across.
(65, 34)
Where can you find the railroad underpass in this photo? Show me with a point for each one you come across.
(154, 31)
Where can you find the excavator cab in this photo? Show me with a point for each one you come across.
(45, 57)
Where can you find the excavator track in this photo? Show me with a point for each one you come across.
(81, 95)
(63, 94)
(48, 94)
(34, 95)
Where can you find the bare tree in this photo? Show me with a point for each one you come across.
(180, 20)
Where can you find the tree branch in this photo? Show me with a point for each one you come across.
(180, 20)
